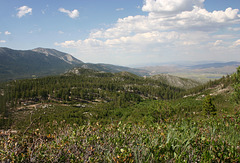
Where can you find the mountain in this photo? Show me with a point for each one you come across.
(98, 67)
(63, 56)
(214, 65)
(175, 81)
(199, 72)
(18, 64)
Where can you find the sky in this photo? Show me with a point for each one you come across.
(125, 32)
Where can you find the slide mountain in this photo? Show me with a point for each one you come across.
(17, 64)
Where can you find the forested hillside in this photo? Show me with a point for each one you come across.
(91, 116)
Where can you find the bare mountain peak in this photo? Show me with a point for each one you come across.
(61, 55)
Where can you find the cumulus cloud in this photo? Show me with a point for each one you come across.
(170, 6)
(2, 41)
(72, 14)
(197, 19)
(24, 10)
(7, 33)
(177, 26)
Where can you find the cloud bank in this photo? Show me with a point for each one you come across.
(173, 29)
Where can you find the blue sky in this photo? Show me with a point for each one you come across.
(125, 32)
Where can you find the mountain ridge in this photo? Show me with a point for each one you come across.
(61, 55)
(18, 64)
(215, 65)
(39, 62)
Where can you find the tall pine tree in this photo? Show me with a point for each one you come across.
(208, 107)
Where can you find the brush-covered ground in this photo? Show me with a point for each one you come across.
(193, 128)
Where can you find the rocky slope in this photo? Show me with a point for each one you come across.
(175, 81)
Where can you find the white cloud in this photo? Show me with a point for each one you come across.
(173, 28)
(218, 43)
(236, 43)
(69, 44)
(119, 9)
(60, 32)
(7, 33)
(198, 19)
(170, 6)
(72, 14)
(81, 43)
(24, 10)
(2, 41)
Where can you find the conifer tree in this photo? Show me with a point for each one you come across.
(236, 86)
(208, 107)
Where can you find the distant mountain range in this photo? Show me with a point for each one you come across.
(19, 64)
(214, 65)
(199, 72)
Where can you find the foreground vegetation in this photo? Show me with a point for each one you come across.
(172, 140)
(136, 120)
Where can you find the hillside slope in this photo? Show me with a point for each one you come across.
(113, 68)
(175, 81)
